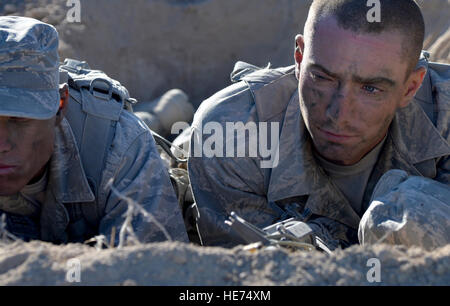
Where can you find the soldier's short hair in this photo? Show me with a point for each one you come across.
(404, 16)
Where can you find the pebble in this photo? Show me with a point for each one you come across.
(9, 9)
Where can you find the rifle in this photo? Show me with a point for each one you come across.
(290, 233)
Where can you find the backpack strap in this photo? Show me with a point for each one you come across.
(95, 105)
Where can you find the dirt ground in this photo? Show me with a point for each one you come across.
(172, 263)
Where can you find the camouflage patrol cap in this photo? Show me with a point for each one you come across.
(29, 61)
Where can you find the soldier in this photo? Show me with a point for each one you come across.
(45, 193)
(350, 116)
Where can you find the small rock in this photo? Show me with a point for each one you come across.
(242, 275)
(179, 258)
(37, 13)
(129, 282)
(9, 9)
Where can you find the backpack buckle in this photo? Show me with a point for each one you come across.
(75, 66)
(100, 91)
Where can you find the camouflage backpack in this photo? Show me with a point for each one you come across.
(95, 104)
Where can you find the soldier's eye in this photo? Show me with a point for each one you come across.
(318, 77)
(371, 89)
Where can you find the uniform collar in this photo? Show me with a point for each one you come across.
(67, 184)
(415, 136)
(413, 133)
(66, 177)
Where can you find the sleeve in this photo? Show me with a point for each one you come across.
(225, 184)
(143, 179)
(407, 210)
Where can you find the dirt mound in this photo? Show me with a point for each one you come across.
(182, 264)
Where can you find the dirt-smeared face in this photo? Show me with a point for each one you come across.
(26, 146)
(350, 87)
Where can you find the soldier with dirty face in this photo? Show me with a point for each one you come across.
(364, 134)
(44, 191)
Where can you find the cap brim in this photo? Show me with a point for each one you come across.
(25, 103)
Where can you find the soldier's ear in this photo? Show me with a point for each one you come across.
(413, 85)
(63, 102)
(298, 53)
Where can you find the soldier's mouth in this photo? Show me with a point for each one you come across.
(333, 137)
(7, 169)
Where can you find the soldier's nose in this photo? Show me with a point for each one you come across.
(339, 105)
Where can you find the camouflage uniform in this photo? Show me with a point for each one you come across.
(135, 167)
(73, 209)
(416, 143)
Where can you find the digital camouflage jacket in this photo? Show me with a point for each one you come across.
(417, 142)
